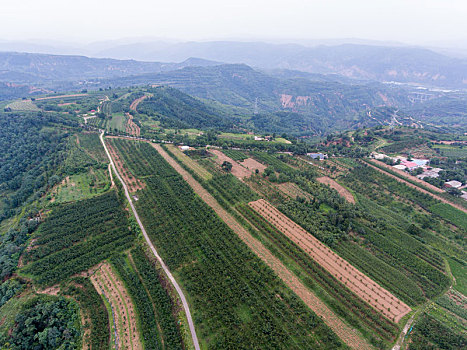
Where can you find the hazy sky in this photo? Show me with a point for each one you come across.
(413, 21)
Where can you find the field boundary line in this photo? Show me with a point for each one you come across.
(348, 335)
(154, 251)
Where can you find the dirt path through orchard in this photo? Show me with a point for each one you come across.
(351, 337)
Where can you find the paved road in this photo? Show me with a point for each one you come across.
(164, 266)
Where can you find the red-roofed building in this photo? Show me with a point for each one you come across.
(410, 165)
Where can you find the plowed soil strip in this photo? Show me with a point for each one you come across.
(343, 331)
(414, 186)
(133, 183)
(237, 170)
(338, 187)
(368, 290)
(107, 283)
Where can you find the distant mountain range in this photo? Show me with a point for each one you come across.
(402, 64)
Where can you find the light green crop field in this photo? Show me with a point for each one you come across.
(23, 105)
(459, 271)
(118, 122)
(81, 186)
(452, 151)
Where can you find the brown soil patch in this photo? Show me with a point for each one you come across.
(108, 284)
(131, 127)
(135, 103)
(368, 290)
(414, 186)
(237, 170)
(253, 164)
(54, 290)
(339, 188)
(65, 104)
(343, 331)
(132, 182)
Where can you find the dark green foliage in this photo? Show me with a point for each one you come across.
(175, 109)
(29, 156)
(451, 214)
(153, 303)
(45, 323)
(235, 154)
(343, 301)
(8, 289)
(12, 244)
(82, 290)
(429, 334)
(245, 305)
(77, 236)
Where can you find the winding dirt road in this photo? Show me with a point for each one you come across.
(148, 241)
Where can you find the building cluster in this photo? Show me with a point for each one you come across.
(402, 163)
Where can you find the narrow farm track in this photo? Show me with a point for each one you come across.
(154, 251)
(417, 188)
(351, 337)
(368, 290)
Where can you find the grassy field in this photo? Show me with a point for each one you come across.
(81, 186)
(23, 105)
(459, 271)
(451, 151)
(118, 122)
(451, 214)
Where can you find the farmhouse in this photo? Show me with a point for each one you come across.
(453, 184)
(319, 156)
(409, 164)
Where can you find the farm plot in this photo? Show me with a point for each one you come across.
(236, 298)
(131, 181)
(237, 170)
(338, 187)
(75, 237)
(190, 163)
(253, 165)
(131, 127)
(368, 290)
(110, 287)
(293, 191)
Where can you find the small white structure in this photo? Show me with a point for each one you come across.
(400, 166)
(453, 184)
(185, 148)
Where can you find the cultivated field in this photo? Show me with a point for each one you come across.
(237, 170)
(192, 164)
(339, 188)
(346, 333)
(367, 289)
(293, 191)
(253, 164)
(131, 127)
(132, 182)
(107, 283)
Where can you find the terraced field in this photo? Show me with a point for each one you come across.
(368, 290)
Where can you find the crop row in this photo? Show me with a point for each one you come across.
(84, 292)
(65, 250)
(345, 303)
(237, 301)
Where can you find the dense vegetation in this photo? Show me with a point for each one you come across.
(82, 290)
(30, 156)
(77, 236)
(245, 305)
(45, 323)
(430, 334)
(153, 303)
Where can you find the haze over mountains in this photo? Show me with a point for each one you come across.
(400, 64)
